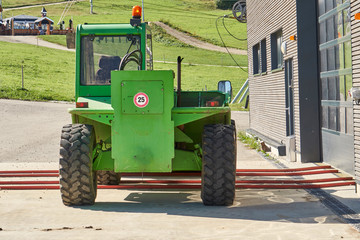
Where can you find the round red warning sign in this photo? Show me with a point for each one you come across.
(141, 100)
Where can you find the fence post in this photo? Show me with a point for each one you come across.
(22, 75)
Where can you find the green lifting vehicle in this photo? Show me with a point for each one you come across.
(129, 119)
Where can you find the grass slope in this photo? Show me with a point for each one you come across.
(48, 73)
(21, 3)
(166, 48)
(192, 16)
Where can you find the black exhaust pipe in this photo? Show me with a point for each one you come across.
(179, 60)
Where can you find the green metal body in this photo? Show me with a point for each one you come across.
(160, 137)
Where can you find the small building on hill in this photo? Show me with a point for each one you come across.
(44, 24)
(28, 25)
(21, 22)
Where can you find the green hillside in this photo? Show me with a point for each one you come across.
(196, 17)
(49, 73)
(21, 3)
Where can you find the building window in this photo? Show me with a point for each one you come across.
(263, 56)
(276, 54)
(256, 59)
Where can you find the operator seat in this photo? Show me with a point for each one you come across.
(106, 64)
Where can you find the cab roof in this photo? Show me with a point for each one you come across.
(109, 28)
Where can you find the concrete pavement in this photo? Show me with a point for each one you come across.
(138, 214)
(30, 132)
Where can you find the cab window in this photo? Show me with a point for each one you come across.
(102, 54)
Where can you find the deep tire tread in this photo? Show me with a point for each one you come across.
(108, 177)
(77, 179)
(219, 165)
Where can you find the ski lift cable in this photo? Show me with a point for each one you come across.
(62, 14)
(240, 39)
(217, 28)
(66, 10)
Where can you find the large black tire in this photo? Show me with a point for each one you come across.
(108, 177)
(218, 165)
(77, 179)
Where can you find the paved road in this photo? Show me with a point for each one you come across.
(29, 139)
(30, 131)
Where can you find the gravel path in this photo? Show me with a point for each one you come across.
(33, 40)
(197, 43)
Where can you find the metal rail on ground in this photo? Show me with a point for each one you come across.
(188, 183)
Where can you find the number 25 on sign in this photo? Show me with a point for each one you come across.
(141, 100)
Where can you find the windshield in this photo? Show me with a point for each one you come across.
(102, 54)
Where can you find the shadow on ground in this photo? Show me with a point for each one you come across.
(263, 205)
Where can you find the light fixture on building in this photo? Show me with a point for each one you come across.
(357, 16)
(284, 48)
(354, 93)
(292, 37)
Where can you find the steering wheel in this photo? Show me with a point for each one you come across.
(131, 57)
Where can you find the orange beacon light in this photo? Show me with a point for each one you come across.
(136, 12)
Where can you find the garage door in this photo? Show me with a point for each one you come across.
(335, 81)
